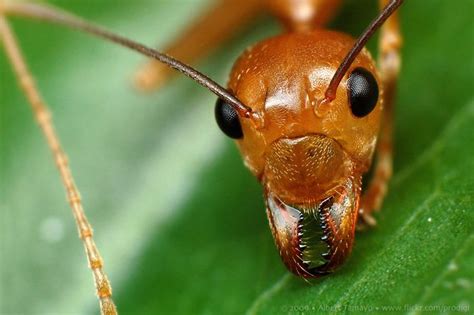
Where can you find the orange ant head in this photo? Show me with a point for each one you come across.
(309, 155)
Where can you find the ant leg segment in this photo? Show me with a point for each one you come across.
(43, 117)
(390, 62)
(216, 26)
(304, 15)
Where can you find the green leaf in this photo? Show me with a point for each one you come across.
(180, 222)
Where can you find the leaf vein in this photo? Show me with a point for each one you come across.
(268, 293)
(437, 144)
(446, 271)
(400, 233)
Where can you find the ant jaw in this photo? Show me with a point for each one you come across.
(312, 198)
(314, 239)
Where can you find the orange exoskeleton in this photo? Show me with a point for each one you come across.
(308, 151)
(309, 156)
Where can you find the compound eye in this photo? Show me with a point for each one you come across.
(363, 92)
(228, 120)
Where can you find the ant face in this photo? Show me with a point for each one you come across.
(284, 78)
(309, 156)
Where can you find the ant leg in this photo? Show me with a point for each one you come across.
(390, 61)
(217, 25)
(304, 15)
(43, 117)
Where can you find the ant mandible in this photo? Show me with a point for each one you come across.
(308, 110)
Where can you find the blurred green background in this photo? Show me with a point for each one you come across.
(179, 220)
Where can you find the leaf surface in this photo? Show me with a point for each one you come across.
(180, 222)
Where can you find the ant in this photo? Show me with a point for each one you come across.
(308, 109)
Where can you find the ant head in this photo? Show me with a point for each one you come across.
(310, 134)
(284, 80)
(281, 80)
(309, 154)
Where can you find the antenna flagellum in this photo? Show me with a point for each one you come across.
(54, 15)
(330, 94)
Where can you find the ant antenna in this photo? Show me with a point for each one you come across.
(330, 94)
(50, 14)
